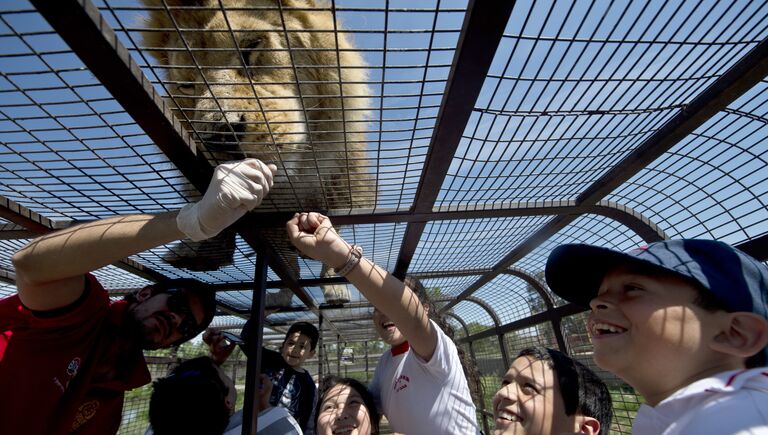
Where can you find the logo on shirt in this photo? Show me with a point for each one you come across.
(401, 383)
(73, 367)
(85, 412)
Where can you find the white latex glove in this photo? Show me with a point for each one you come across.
(235, 189)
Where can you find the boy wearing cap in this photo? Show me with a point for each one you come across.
(684, 322)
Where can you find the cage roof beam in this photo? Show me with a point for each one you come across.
(481, 33)
(738, 79)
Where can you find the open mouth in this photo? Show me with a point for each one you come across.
(602, 329)
(388, 325)
(344, 430)
(506, 415)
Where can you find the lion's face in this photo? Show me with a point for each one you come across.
(265, 79)
(238, 88)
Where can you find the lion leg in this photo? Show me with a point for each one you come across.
(205, 255)
(334, 293)
(283, 297)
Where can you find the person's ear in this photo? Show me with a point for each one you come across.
(311, 353)
(144, 294)
(743, 334)
(588, 425)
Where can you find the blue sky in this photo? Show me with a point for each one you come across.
(571, 91)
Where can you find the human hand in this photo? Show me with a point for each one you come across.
(264, 391)
(235, 189)
(313, 235)
(218, 346)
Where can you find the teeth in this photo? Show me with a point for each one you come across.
(509, 416)
(604, 328)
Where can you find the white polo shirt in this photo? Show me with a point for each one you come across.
(731, 403)
(425, 397)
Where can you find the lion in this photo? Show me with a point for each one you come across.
(274, 80)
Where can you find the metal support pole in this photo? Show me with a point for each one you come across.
(481, 397)
(338, 355)
(367, 377)
(250, 413)
(503, 348)
(320, 348)
(557, 326)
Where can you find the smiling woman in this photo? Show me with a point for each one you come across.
(345, 407)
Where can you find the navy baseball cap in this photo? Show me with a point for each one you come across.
(575, 271)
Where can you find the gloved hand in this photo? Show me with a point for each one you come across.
(235, 189)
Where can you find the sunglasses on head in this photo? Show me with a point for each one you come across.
(178, 303)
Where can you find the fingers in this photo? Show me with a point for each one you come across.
(209, 335)
(310, 222)
(244, 184)
(268, 171)
(292, 227)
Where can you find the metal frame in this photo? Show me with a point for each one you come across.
(84, 27)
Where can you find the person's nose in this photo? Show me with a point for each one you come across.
(602, 301)
(507, 393)
(341, 413)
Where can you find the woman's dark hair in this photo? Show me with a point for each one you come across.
(468, 363)
(191, 400)
(331, 381)
(582, 390)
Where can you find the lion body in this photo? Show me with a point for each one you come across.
(273, 80)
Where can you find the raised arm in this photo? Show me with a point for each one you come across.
(313, 235)
(50, 269)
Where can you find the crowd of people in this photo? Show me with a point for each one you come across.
(684, 322)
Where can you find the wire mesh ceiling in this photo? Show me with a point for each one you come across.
(456, 141)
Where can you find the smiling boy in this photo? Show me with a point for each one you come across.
(546, 392)
(293, 386)
(682, 321)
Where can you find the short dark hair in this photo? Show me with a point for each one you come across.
(582, 390)
(204, 293)
(191, 400)
(331, 381)
(709, 302)
(304, 328)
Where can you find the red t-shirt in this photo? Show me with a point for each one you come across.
(66, 373)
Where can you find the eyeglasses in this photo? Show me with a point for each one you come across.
(178, 303)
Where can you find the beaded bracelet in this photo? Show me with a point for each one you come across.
(355, 254)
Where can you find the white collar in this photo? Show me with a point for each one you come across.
(723, 382)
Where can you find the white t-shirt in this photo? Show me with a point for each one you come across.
(421, 397)
(731, 403)
(272, 421)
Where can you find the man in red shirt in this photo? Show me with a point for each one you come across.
(67, 354)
